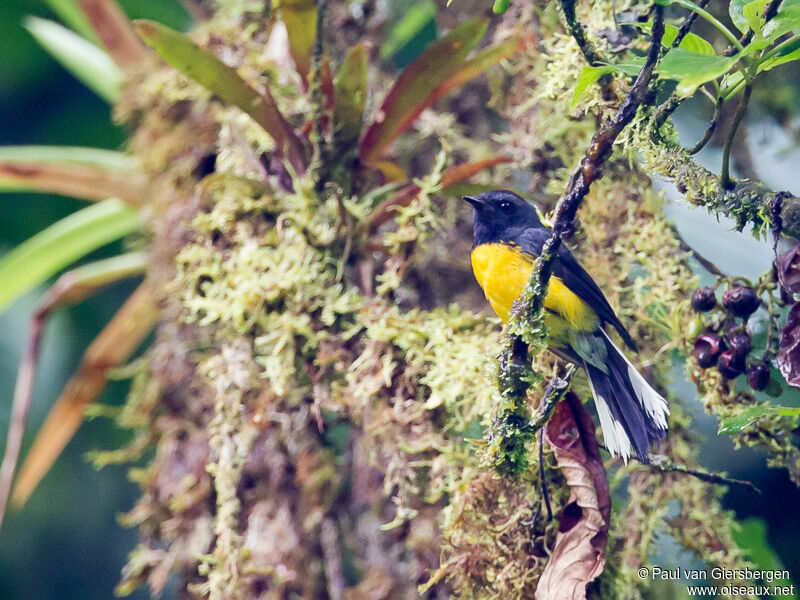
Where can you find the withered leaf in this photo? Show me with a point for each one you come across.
(578, 556)
(788, 357)
(787, 265)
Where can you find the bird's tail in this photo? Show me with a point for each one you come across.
(632, 414)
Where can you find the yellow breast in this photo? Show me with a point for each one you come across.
(503, 270)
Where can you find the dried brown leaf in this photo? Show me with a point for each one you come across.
(578, 556)
(113, 345)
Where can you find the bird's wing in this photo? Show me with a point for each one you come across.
(575, 277)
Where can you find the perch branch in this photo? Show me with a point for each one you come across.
(526, 325)
(577, 32)
(659, 462)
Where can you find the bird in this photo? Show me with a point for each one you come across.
(508, 235)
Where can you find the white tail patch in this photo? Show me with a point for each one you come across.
(617, 441)
(653, 403)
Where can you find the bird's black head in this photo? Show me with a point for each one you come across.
(501, 215)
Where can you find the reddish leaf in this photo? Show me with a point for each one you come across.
(578, 556)
(788, 357)
(417, 87)
(787, 266)
(450, 177)
(115, 31)
(113, 345)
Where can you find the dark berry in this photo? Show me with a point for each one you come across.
(741, 301)
(739, 343)
(706, 349)
(730, 365)
(758, 376)
(703, 299)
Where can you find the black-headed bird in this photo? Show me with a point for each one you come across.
(508, 236)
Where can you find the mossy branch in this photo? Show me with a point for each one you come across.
(526, 326)
(576, 30)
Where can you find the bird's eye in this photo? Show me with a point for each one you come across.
(505, 205)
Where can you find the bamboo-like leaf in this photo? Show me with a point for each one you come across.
(71, 14)
(80, 176)
(300, 19)
(118, 340)
(439, 69)
(450, 176)
(96, 157)
(49, 251)
(84, 60)
(738, 423)
(71, 288)
(350, 96)
(209, 71)
(115, 31)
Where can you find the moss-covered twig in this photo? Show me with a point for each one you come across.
(526, 326)
(575, 29)
(318, 97)
(725, 177)
(659, 462)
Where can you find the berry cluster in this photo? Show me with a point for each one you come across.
(726, 344)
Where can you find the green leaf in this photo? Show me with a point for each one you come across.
(786, 52)
(206, 69)
(84, 60)
(753, 12)
(300, 18)
(500, 6)
(430, 76)
(417, 18)
(61, 244)
(107, 159)
(71, 14)
(787, 19)
(690, 42)
(736, 12)
(738, 423)
(587, 77)
(751, 536)
(350, 96)
(692, 70)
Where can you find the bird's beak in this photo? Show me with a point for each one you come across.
(476, 202)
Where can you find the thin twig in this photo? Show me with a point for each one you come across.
(712, 126)
(575, 29)
(659, 462)
(317, 96)
(542, 480)
(724, 177)
(704, 262)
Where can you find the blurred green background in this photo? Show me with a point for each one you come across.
(66, 543)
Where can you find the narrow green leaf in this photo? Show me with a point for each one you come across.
(83, 59)
(736, 12)
(350, 93)
(206, 69)
(71, 14)
(738, 423)
(425, 80)
(692, 70)
(300, 18)
(415, 20)
(64, 242)
(107, 159)
(587, 77)
(787, 52)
